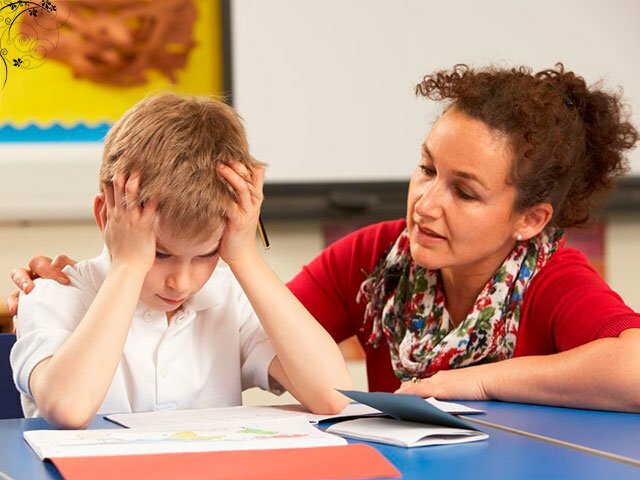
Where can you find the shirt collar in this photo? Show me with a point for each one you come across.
(207, 297)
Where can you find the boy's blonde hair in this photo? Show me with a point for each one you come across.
(176, 143)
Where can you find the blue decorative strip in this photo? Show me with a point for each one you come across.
(55, 133)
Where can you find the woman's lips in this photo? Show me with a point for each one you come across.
(426, 236)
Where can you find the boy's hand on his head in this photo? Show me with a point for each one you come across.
(239, 239)
(129, 232)
(39, 267)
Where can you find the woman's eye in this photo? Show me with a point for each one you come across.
(428, 171)
(466, 195)
(162, 256)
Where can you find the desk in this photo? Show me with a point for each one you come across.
(503, 456)
(610, 432)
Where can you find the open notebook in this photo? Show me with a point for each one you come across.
(404, 434)
(292, 432)
(416, 423)
(210, 417)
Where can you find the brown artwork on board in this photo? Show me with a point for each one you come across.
(117, 42)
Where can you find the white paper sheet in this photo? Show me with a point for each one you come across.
(404, 434)
(210, 418)
(453, 408)
(235, 434)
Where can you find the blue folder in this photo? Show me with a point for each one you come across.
(410, 408)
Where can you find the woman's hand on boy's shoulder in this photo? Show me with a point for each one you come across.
(239, 239)
(40, 266)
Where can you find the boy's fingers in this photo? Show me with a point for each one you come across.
(104, 211)
(131, 190)
(239, 185)
(12, 302)
(241, 170)
(257, 183)
(258, 177)
(255, 193)
(254, 176)
(21, 277)
(109, 196)
(119, 199)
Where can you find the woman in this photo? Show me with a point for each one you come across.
(473, 295)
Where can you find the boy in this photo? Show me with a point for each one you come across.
(151, 324)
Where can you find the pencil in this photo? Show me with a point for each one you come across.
(263, 234)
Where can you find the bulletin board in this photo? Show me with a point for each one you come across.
(71, 68)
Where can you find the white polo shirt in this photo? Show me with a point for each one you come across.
(213, 348)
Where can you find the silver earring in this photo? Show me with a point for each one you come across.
(519, 237)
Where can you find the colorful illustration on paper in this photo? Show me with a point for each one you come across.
(230, 434)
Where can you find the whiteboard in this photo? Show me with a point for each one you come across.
(327, 86)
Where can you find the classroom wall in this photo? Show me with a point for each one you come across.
(622, 247)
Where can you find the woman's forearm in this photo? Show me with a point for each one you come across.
(602, 374)
(310, 358)
(70, 386)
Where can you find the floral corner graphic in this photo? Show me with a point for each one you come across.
(25, 45)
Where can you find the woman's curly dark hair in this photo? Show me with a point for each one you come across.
(568, 139)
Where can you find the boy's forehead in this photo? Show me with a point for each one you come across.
(169, 242)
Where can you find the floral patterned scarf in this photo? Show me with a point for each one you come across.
(406, 304)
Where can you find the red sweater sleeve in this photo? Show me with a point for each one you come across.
(567, 305)
(328, 285)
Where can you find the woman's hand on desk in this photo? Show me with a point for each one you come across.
(39, 267)
(458, 384)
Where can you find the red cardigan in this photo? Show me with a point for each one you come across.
(566, 305)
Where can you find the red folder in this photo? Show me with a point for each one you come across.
(350, 461)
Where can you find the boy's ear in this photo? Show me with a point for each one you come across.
(100, 211)
(534, 220)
